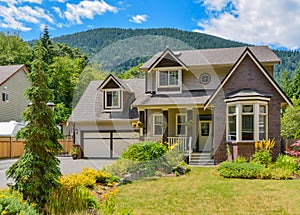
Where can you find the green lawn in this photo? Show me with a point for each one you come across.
(203, 191)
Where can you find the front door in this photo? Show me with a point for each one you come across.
(205, 136)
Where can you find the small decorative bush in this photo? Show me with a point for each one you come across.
(74, 194)
(145, 151)
(12, 203)
(287, 162)
(241, 170)
(263, 152)
(240, 159)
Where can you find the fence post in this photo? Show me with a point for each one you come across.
(10, 148)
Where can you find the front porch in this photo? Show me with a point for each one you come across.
(192, 127)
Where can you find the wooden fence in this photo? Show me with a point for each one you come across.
(11, 148)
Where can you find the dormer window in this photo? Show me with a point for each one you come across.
(112, 99)
(168, 78)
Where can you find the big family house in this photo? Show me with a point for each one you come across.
(207, 101)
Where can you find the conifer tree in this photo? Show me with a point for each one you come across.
(37, 171)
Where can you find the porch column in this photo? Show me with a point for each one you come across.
(142, 120)
(189, 120)
(165, 126)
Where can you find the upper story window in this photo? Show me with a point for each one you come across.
(5, 97)
(168, 78)
(112, 99)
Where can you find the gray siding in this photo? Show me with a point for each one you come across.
(17, 103)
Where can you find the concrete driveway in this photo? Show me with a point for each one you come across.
(67, 166)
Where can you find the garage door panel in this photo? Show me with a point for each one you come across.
(96, 135)
(120, 146)
(97, 148)
(126, 135)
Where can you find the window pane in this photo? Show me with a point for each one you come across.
(262, 109)
(231, 110)
(232, 128)
(163, 78)
(204, 129)
(247, 108)
(158, 119)
(181, 119)
(262, 127)
(173, 78)
(181, 129)
(115, 95)
(108, 99)
(247, 127)
(157, 130)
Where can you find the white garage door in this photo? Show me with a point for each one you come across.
(107, 144)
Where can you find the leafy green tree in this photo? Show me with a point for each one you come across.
(290, 121)
(37, 171)
(133, 72)
(295, 84)
(285, 82)
(13, 50)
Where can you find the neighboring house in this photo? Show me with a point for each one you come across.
(204, 99)
(13, 83)
(102, 119)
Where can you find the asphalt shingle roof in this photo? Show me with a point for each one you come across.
(7, 71)
(90, 106)
(221, 56)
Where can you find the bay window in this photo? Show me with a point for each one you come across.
(247, 121)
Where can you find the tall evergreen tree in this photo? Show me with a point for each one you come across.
(285, 82)
(37, 171)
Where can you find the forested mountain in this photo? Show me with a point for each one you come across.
(93, 41)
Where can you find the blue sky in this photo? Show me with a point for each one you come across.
(259, 22)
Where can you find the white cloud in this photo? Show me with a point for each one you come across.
(256, 22)
(139, 18)
(59, 12)
(87, 9)
(14, 17)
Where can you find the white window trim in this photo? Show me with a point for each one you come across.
(116, 107)
(239, 106)
(162, 131)
(168, 69)
(176, 120)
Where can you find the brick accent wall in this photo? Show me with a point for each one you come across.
(246, 76)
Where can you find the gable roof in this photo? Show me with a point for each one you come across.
(248, 52)
(118, 81)
(163, 55)
(6, 72)
(213, 57)
(90, 106)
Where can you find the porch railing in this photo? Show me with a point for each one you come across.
(184, 144)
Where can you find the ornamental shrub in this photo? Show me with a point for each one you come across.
(287, 162)
(12, 203)
(145, 151)
(241, 170)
